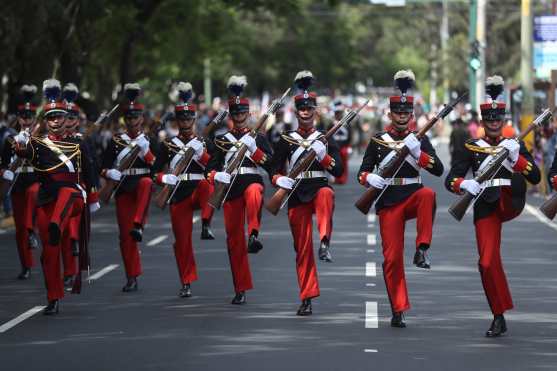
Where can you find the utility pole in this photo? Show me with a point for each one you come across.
(207, 81)
(526, 68)
(481, 37)
(471, 65)
(444, 50)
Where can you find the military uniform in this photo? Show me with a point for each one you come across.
(343, 138)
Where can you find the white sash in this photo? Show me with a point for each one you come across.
(181, 153)
(411, 160)
(301, 149)
(233, 149)
(61, 156)
(482, 143)
(131, 144)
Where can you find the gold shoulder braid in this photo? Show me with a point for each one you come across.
(72, 149)
(489, 150)
(304, 143)
(384, 143)
(171, 146)
(222, 143)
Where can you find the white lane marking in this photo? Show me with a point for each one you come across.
(371, 270)
(370, 284)
(103, 271)
(370, 250)
(371, 239)
(22, 317)
(370, 350)
(371, 315)
(157, 240)
(539, 215)
(196, 219)
(371, 218)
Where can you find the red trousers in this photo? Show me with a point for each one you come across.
(301, 225)
(132, 208)
(69, 203)
(345, 156)
(206, 209)
(488, 237)
(235, 213)
(69, 261)
(23, 205)
(392, 221)
(181, 215)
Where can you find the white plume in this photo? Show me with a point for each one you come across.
(405, 74)
(237, 80)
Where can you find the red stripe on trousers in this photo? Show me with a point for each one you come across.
(488, 237)
(132, 207)
(301, 225)
(23, 206)
(235, 213)
(69, 200)
(181, 215)
(392, 222)
(344, 156)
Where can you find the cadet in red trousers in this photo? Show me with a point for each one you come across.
(312, 194)
(193, 189)
(134, 188)
(24, 191)
(245, 196)
(498, 200)
(60, 195)
(405, 197)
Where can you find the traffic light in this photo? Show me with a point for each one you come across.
(475, 63)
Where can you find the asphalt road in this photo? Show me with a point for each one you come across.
(153, 329)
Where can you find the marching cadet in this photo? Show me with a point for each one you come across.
(498, 200)
(60, 196)
(404, 197)
(312, 193)
(133, 192)
(245, 195)
(343, 138)
(193, 189)
(24, 191)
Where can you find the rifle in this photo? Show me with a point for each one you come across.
(458, 208)
(106, 192)
(390, 169)
(104, 116)
(221, 189)
(281, 196)
(164, 196)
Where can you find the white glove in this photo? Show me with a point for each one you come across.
(197, 147)
(285, 182)
(249, 141)
(413, 145)
(114, 174)
(471, 186)
(143, 143)
(375, 181)
(8, 175)
(513, 147)
(169, 179)
(222, 177)
(320, 149)
(22, 137)
(94, 207)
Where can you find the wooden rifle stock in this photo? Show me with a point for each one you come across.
(458, 208)
(276, 201)
(221, 189)
(163, 196)
(549, 207)
(105, 194)
(369, 196)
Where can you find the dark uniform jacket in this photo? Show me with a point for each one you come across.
(287, 147)
(90, 180)
(552, 175)
(376, 152)
(170, 148)
(221, 146)
(525, 168)
(128, 182)
(27, 175)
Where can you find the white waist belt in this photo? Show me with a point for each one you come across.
(191, 176)
(403, 181)
(136, 171)
(25, 169)
(496, 183)
(312, 174)
(247, 170)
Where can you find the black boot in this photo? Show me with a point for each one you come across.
(254, 245)
(131, 285)
(420, 258)
(24, 274)
(185, 291)
(51, 308)
(398, 320)
(137, 232)
(239, 299)
(34, 243)
(68, 283)
(206, 233)
(325, 251)
(498, 327)
(75, 248)
(54, 233)
(305, 308)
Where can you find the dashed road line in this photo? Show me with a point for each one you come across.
(372, 239)
(372, 320)
(370, 250)
(371, 270)
(103, 271)
(370, 351)
(539, 215)
(22, 317)
(157, 240)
